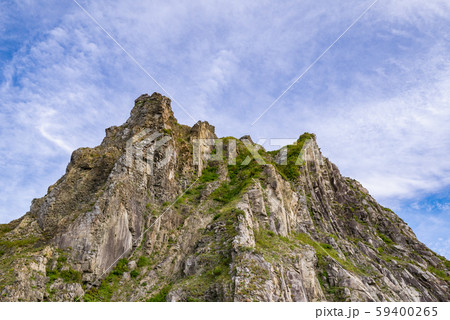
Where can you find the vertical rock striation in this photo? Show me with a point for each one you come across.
(161, 212)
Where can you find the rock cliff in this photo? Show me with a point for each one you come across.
(164, 212)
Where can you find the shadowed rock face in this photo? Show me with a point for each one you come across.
(148, 215)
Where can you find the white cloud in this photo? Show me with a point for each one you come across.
(413, 11)
(390, 130)
(403, 140)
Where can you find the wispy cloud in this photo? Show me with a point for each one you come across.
(414, 11)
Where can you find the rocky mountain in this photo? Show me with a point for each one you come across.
(164, 212)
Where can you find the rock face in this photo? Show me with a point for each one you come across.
(165, 212)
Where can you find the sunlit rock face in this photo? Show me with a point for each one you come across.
(164, 212)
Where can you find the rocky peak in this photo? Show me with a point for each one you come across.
(134, 220)
(201, 137)
(247, 138)
(311, 150)
(152, 112)
(203, 130)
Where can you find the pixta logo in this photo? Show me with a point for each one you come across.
(148, 150)
(226, 150)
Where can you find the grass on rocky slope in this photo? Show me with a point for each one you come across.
(15, 248)
(107, 287)
(215, 258)
(161, 296)
(291, 170)
(276, 249)
(441, 274)
(62, 270)
(239, 176)
(269, 242)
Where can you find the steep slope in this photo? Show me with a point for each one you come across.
(165, 212)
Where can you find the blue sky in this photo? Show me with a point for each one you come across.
(379, 100)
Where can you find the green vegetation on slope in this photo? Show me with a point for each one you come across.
(291, 170)
(240, 176)
(109, 285)
(161, 296)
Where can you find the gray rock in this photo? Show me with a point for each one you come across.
(237, 233)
